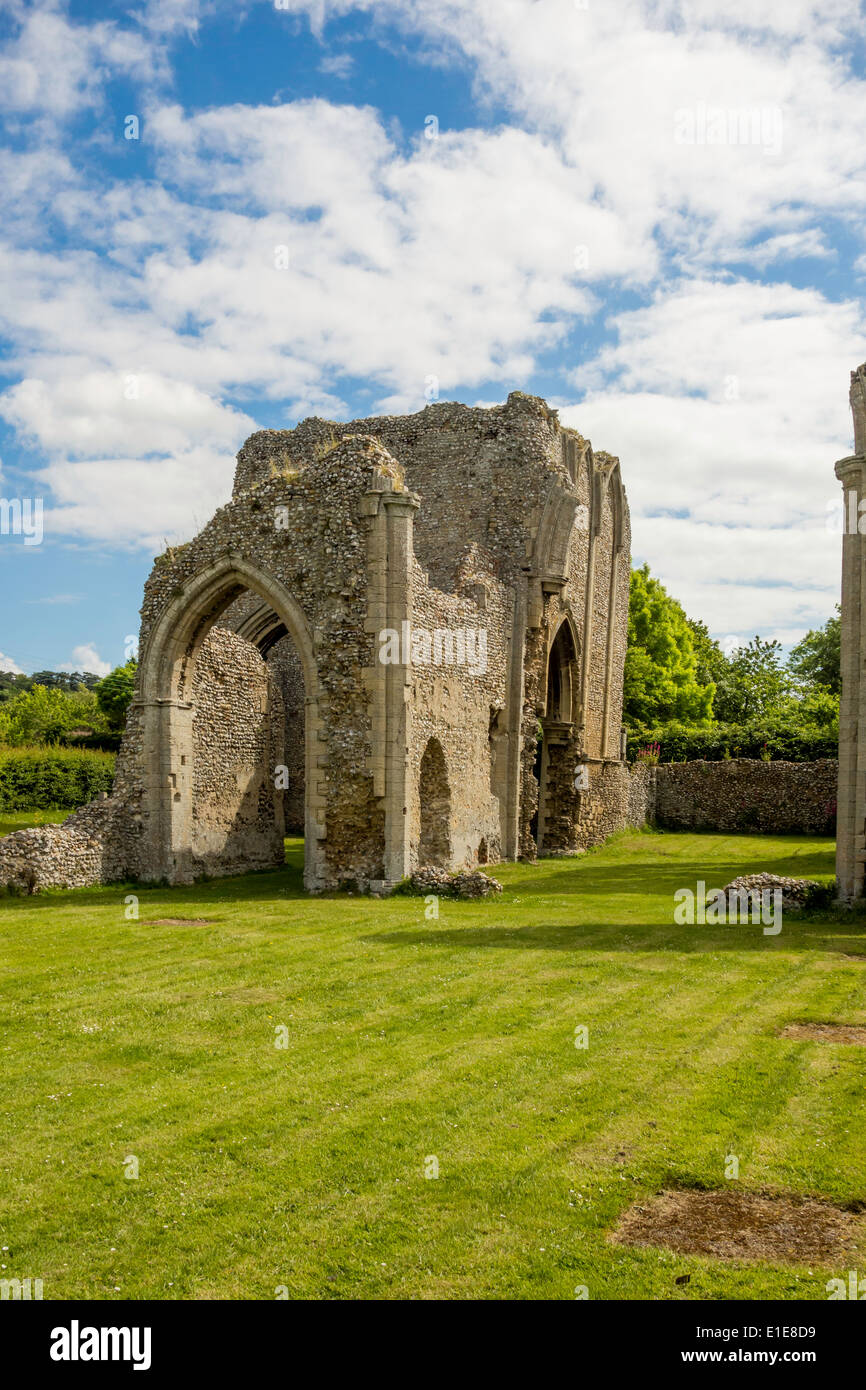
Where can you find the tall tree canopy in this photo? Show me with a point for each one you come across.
(661, 668)
(115, 692)
(815, 660)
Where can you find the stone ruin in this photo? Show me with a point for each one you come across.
(851, 797)
(403, 637)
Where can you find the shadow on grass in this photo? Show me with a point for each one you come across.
(635, 938)
(281, 883)
(588, 876)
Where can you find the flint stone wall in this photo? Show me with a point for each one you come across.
(456, 517)
(736, 794)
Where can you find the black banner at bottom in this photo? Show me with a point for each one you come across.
(84, 1339)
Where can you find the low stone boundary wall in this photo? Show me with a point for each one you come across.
(736, 794)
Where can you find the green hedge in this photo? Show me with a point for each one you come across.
(103, 743)
(717, 741)
(42, 779)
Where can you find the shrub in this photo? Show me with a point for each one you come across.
(114, 694)
(44, 778)
(716, 742)
(650, 754)
(44, 714)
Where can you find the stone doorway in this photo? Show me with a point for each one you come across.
(434, 847)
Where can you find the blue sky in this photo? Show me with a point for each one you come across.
(648, 211)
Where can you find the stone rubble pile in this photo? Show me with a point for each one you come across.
(466, 883)
(796, 892)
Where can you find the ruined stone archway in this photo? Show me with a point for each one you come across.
(434, 847)
(166, 689)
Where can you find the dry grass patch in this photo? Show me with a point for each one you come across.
(852, 1033)
(743, 1226)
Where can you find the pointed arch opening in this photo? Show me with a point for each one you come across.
(562, 675)
(216, 725)
(558, 732)
(434, 847)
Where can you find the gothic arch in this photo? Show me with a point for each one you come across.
(165, 690)
(562, 683)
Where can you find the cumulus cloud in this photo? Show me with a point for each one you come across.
(53, 67)
(283, 254)
(86, 659)
(727, 402)
(8, 665)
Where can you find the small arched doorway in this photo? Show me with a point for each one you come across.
(434, 846)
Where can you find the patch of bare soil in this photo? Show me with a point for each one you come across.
(177, 921)
(742, 1226)
(827, 1032)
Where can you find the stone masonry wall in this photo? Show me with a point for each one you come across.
(477, 530)
(284, 662)
(237, 743)
(737, 794)
(455, 703)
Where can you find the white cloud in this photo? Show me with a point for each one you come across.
(402, 265)
(8, 665)
(727, 403)
(87, 413)
(54, 68)
(337, 65)
(57, 599)
(467, 257)
(144, 502)
(809, 243)
(86, 658)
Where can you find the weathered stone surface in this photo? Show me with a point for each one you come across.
(796, 892)
(262, 701)
(465, 883)
(851, 819)
(740, 794)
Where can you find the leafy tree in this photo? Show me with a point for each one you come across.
(710, 661)
(115, 692)
(754, 684)
(815, 660)
(40, 715)
(12, 685)
(661, 668)
(64, 680)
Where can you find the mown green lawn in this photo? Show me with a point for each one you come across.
(21, 820)
(411, 1039)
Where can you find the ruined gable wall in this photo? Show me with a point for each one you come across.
(482, 474)
(321, 559)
